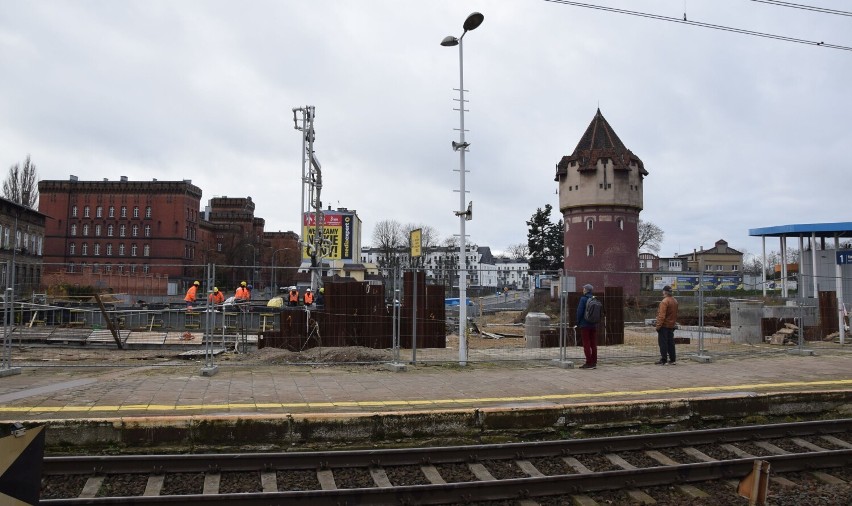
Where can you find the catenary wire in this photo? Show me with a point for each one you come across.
(823, 10)
(702, 25)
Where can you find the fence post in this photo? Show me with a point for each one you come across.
(209, 368)
(563, 361)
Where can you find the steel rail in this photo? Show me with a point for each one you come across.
(412, 456)
(517, 488)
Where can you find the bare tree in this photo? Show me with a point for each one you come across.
(428, 239)
(388, 239)
(21, 184)
(650, 237)
(519, 250)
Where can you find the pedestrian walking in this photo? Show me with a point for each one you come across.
(588, 330)
(666, 324)
(191, 295)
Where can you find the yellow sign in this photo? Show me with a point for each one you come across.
(415, 242)
(332, 239)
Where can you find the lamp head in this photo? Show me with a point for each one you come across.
(450, 41)
(473, 21)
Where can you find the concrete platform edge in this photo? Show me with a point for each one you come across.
(282, 431)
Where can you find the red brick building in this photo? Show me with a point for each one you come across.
(122, 227)
(150, 237)
(600, 196)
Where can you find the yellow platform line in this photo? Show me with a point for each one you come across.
(424, 402)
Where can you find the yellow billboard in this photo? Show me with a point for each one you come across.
(337, 231)
(415, 242)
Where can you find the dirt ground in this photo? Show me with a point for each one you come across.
(498, 331)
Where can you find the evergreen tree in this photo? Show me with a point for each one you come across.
(545, 241)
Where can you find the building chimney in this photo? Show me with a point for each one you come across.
(73, 178)
(123, 179)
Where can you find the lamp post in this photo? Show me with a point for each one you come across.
(274, 276)
(465, 212)
(253, 261)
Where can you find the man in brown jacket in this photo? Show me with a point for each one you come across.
(666, 323)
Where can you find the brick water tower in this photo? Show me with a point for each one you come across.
(600, 196)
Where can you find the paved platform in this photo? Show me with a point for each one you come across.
(180, 396)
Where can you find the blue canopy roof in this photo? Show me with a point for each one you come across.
(805, 229)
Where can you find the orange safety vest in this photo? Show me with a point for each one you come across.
(190, 294)
(242, 293)
(217, 298)
(309, 298)
(294, 296)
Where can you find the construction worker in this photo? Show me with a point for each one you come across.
(242, 294)
(216, 298)
(191, 295)
(309, 297)
(293, 297)
(321, 298)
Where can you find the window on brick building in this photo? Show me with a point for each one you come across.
(86, 212)
(107, 267)
(146, 250)
(122, 230)
(72, 249)
(73, 229)
(84, 249)
(146, 268)
(620, 223)
(124, 211)
(112, 211)
(85, 229)
(132, 268)
(97, 230)
(110, 230)
(121, 250)
(70, 266)
(97, 249)
(135, 211)
(148, 212)
(590, 224)
(133, 250)
(99, 212)
(134, 231)
(109, 250)
(147, 230)
(73, 211)
(590, 250)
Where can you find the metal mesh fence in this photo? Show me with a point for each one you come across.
(407, 319)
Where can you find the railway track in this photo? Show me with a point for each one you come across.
(527, 473)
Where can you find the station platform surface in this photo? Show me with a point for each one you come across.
(83, 393)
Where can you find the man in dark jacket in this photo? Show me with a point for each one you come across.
(588, 331)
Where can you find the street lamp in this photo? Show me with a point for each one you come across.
(465, 212)
(253, 261)
(274, 277)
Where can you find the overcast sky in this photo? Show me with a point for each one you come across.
(736, 131)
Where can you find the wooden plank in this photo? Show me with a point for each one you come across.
(108, 321)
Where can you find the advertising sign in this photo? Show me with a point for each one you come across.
(415, 243)
(337, 233)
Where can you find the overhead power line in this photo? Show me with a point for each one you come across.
(805, 7)
(702, 25)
